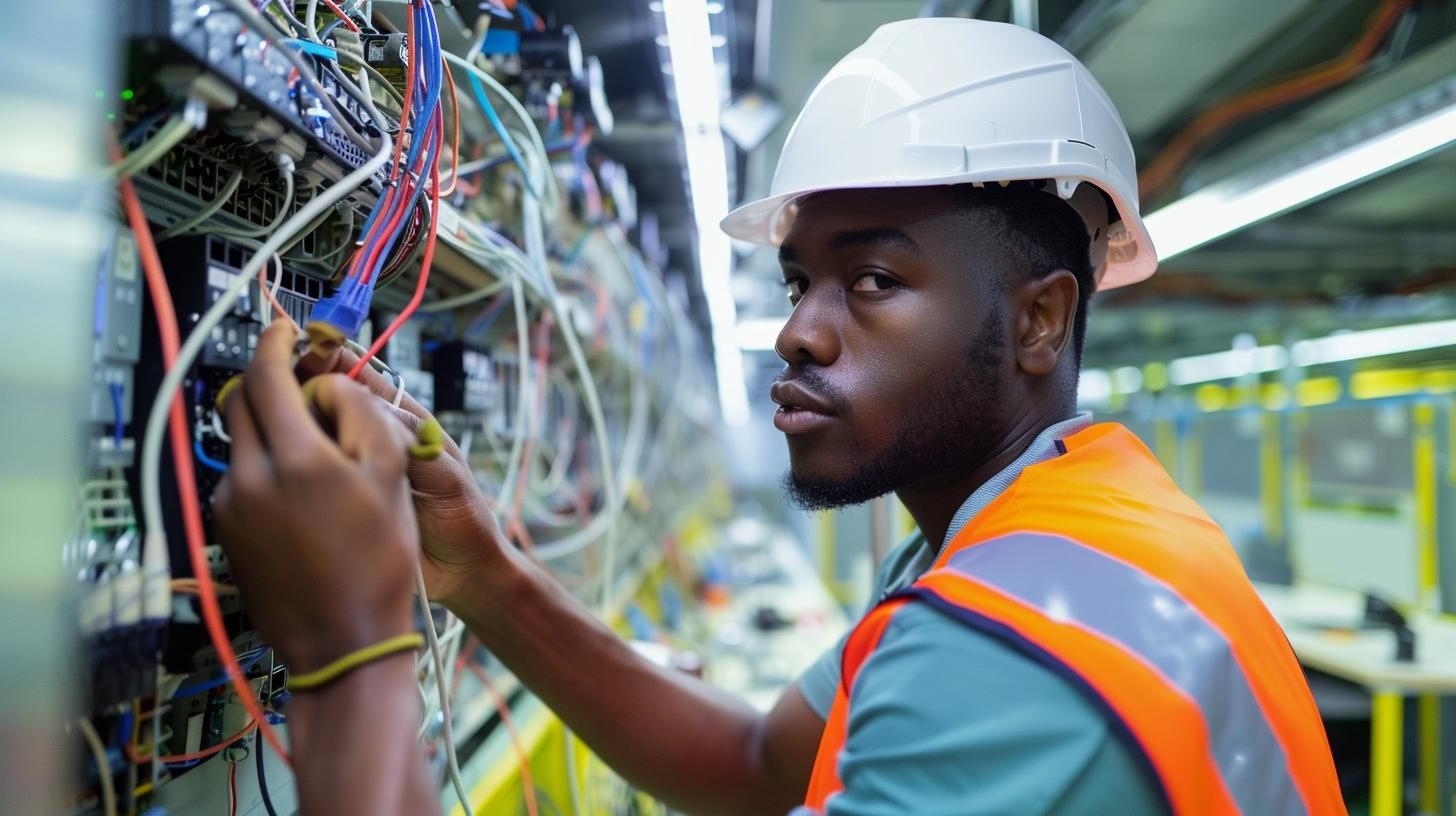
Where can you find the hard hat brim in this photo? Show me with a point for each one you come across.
(767, 221)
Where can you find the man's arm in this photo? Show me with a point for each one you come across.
(699, 749)
(321, 537)
(354, 747)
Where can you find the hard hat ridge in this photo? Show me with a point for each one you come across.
(930, 102)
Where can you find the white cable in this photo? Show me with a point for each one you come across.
(156, 427)
(398, 390)
(440, 682)
(463, 300)
(156, 147)
(568, 739)
(103, 765)
(285, 168)
(217, 428)
(265, 310)
(523, 390)
(491, 84)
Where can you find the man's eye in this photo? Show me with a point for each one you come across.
(874, 282)
(796, 291)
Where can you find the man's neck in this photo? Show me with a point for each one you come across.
(933, 502)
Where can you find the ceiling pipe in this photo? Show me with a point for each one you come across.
(1026, 13)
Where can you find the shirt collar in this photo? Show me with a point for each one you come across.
(1047, 445)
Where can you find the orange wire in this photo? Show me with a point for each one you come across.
(166, 315)
(1180, 149)
(455, 139)
(519, 746)
(203, 754)
(185, 586)
(278, 310)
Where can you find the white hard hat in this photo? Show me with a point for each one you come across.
(954, 101)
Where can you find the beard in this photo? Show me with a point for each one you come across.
(950, 430)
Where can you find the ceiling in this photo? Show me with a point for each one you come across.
(1380, 251)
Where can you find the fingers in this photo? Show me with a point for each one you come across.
(364, 429)
(248, 459)
(313, 365)
(384, 386)
(275, 398)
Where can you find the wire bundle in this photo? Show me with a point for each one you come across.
(392, 216)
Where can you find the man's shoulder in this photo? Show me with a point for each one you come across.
(984, 704)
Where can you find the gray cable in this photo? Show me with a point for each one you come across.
(206, 212)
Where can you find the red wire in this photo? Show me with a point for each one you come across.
(409, 88)
(233, 790)
(399, 205)
(182, 458)
(419, 294)
(338, 12)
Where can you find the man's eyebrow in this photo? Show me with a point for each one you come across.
(873, 235)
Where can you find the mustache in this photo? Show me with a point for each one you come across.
(813, 380)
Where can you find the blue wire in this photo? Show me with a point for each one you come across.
(209, 685)
(428, 47)
(118, 414)
(528, 16)
(208, 461)
(488, 317)
(500, 130)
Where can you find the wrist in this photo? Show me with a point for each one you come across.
(349, 633)
(382, 682)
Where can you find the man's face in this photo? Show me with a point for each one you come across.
(897, 348)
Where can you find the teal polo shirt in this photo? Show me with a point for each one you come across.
(947, 720)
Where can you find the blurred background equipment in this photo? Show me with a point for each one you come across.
(510, 208)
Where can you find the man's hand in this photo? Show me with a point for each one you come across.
(458, 534)
(315, 512)
(316, 519)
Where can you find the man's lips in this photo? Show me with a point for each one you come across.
(800, 410)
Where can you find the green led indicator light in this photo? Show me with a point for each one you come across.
(127, 94)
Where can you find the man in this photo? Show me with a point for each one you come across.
(1068, 634)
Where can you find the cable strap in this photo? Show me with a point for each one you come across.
(353, 660)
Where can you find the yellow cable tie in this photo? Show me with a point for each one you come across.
(429, 441)
(226, 391)
(323, 338)
(353, 660)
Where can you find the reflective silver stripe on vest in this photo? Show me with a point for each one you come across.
(1070, 582)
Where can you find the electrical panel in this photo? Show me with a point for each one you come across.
(288, 160)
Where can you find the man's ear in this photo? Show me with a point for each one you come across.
(1046, 311)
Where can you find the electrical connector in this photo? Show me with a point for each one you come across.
(339, 315)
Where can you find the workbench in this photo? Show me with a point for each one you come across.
(1324, 626)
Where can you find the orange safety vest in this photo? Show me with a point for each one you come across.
(1095, 565)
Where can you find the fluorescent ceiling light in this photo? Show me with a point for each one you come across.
(1228, 207)
(759, 333)
(1127, 380)
(1227, 365)
(1094, 387)
(1357, 345)
(695, 84)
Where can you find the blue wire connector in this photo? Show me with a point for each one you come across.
(346, 309)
